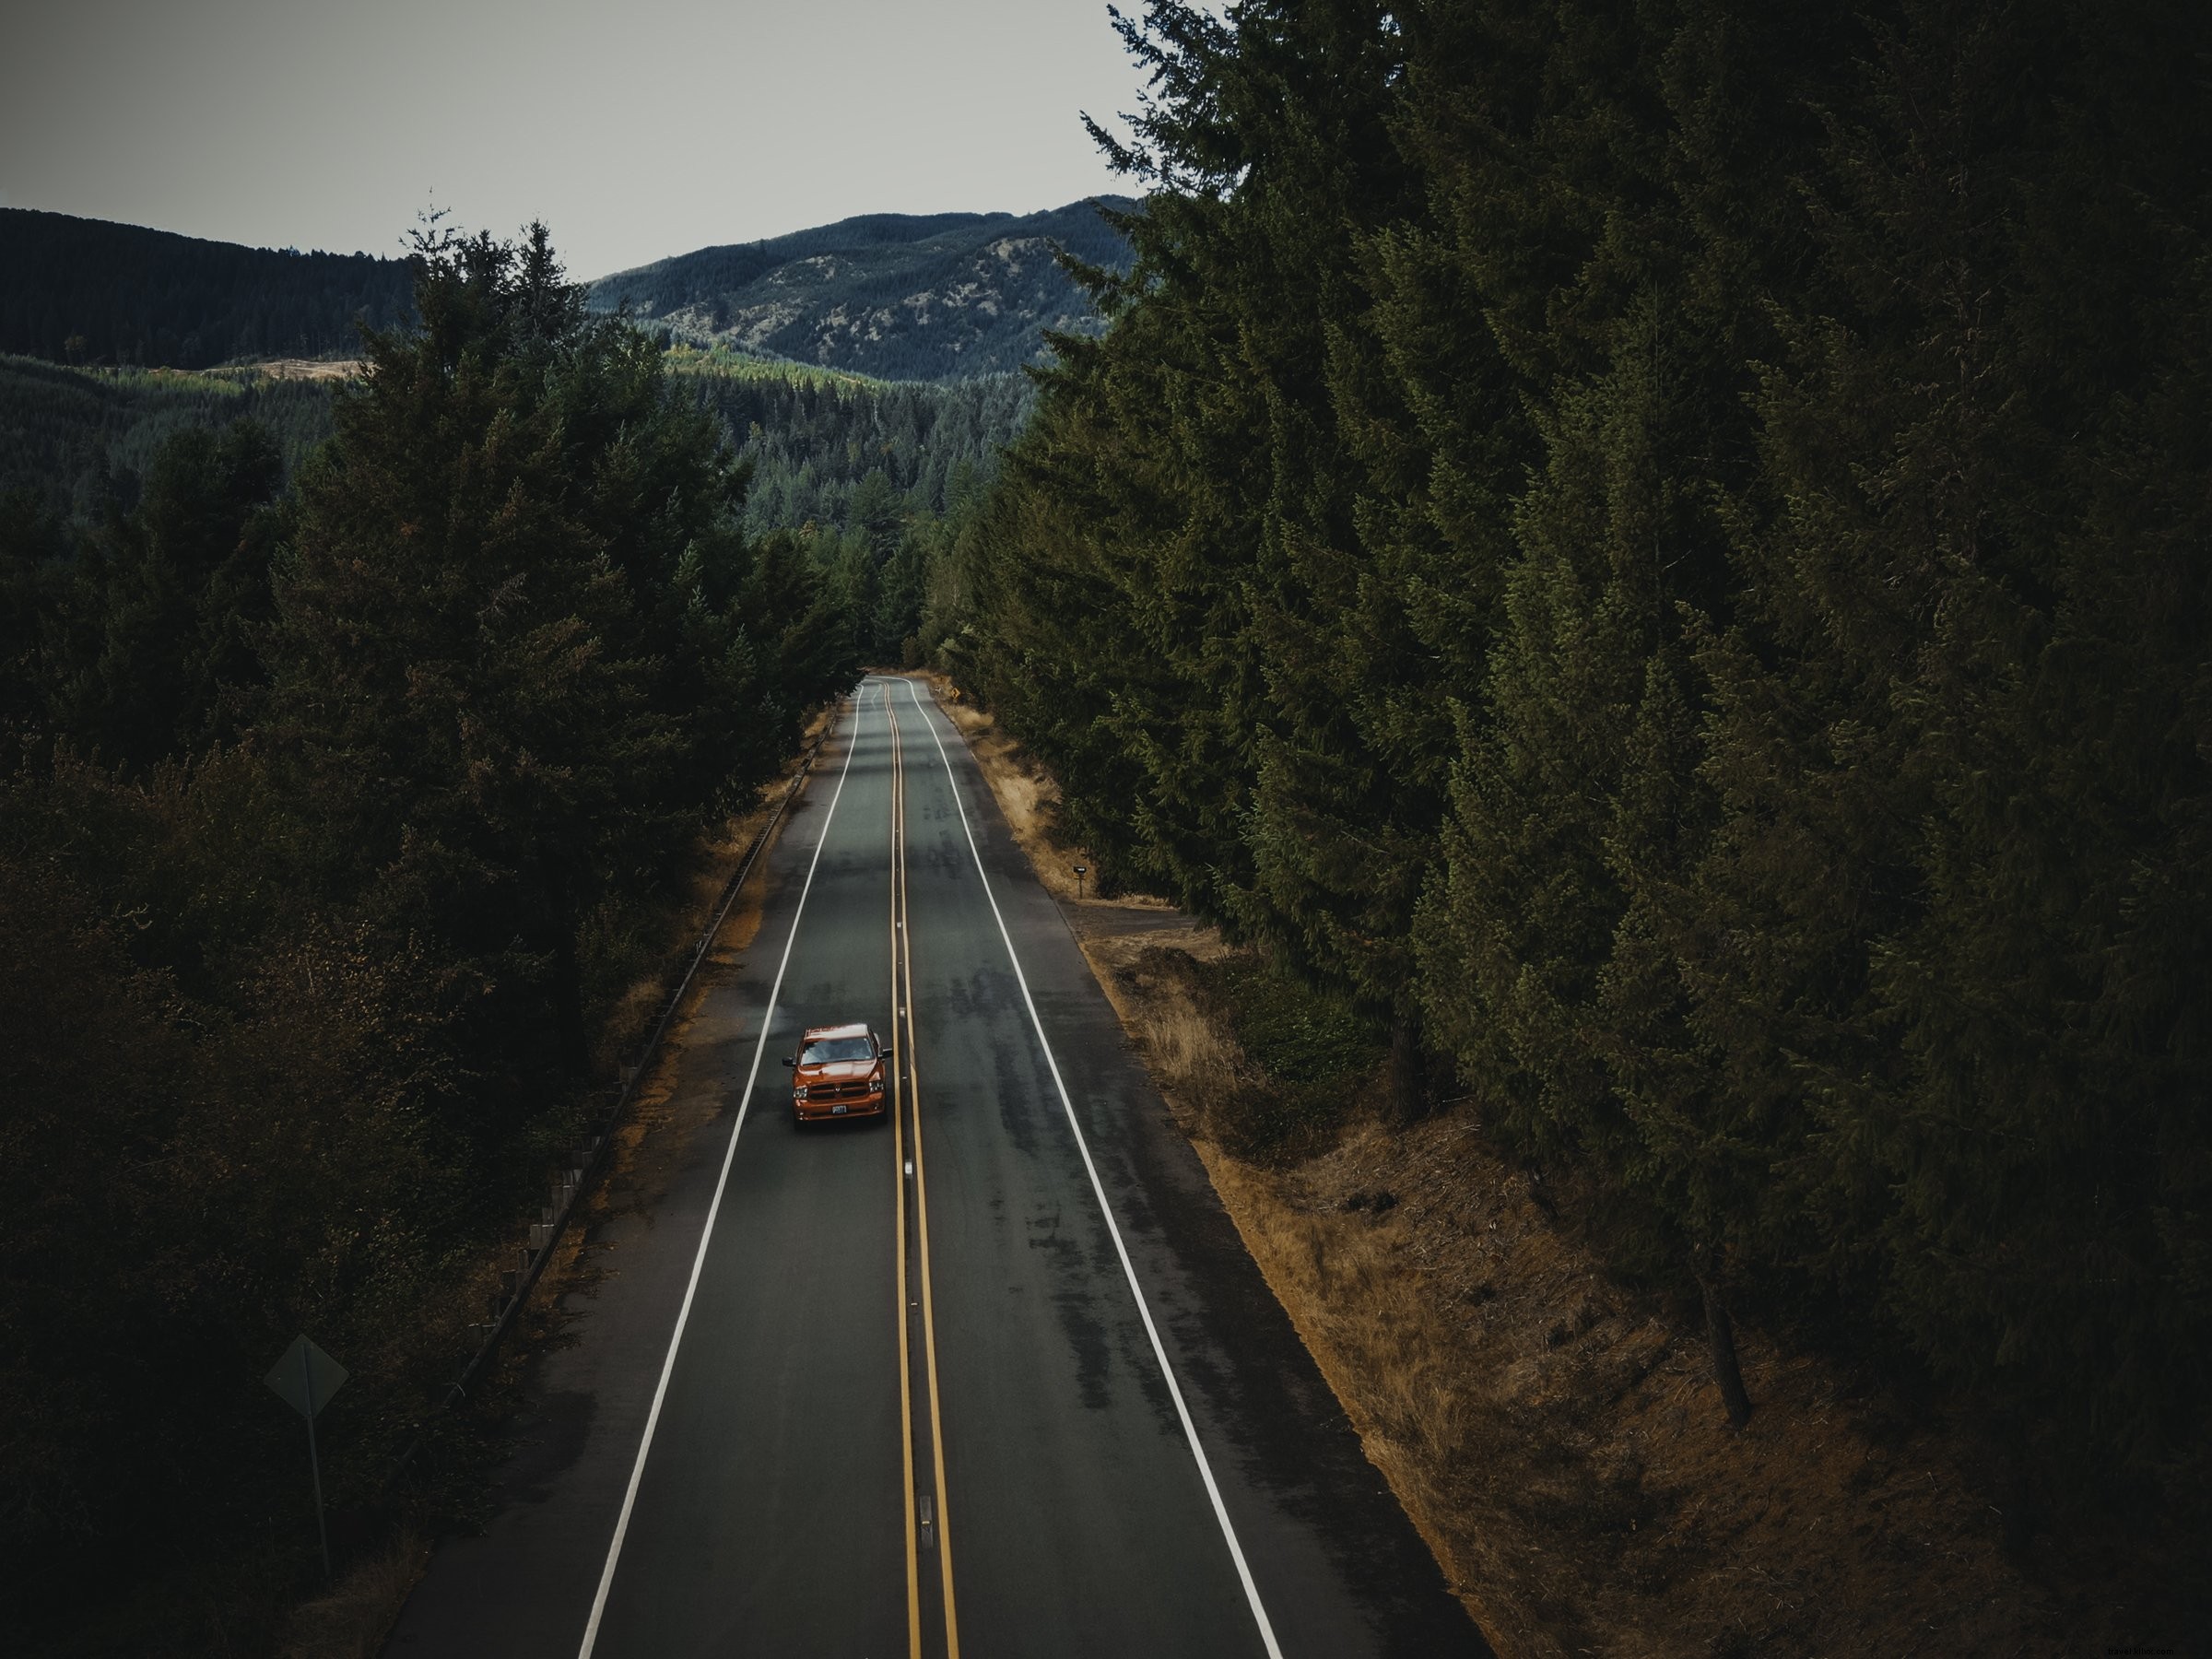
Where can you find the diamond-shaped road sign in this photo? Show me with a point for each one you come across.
(306, 1378)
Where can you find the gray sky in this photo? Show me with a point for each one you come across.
(634, 130)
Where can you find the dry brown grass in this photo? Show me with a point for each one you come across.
(1143, 979)
(1557, 1439)
(313, 368)
(1558, 1442)
(352, 1620)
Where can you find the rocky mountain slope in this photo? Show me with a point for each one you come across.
(898, 296)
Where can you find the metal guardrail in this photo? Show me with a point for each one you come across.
(585, 1161)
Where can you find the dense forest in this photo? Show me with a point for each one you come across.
(878, 480)
(813, 438)
(76, 290)
(335, 814)
(1659, 556)
(81, 441)
(867, 474)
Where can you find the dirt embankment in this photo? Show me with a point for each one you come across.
(1556, 1437)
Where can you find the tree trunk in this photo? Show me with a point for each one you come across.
(1720, 1336)
(565, 1000)
(1408, 1070)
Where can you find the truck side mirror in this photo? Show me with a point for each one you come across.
(790, 1060)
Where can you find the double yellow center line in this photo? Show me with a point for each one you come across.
(926, 1521)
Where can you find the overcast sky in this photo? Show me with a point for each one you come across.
(635, 130)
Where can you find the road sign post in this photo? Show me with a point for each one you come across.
(304, 1379)
(1081, 871)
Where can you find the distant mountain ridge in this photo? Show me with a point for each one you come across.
(935, 297)
(898, 296)
(89, 291)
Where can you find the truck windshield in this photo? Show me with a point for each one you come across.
(838, 1048)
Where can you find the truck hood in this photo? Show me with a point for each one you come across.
(837, 1071)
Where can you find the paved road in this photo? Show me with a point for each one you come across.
(995, 1377)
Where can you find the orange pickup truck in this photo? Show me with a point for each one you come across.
(837, 1072)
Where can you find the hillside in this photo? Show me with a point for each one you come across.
(813, 438)
(82, 439)
(897, 296)
(893, 296)
(87, 291)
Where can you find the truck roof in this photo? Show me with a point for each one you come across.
(855, 1029)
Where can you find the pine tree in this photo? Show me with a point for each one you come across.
(1952, 745)
(1709, 500)
(167, 600)
(487, 654)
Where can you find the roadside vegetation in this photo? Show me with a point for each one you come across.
(338, 814)
(1655, 557)
(1546, 1416)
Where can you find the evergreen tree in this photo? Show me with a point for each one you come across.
(34, 572)
(169, 601)
(1707, 501)
(495, 654)
(1950, 739)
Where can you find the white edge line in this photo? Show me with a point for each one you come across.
(1190, 1429)
(660, 1393)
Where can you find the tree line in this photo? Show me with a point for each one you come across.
(337, 815)
(1659, 554)
(82, 440)
(868, 475)
(812, 439)
(86, 291)
(876, 480)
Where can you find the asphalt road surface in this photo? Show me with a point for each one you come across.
(992, 1376)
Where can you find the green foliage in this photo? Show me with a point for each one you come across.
(812, 439)
(1318, 1061)
(831, 457)
(203, 1177)
(166, 606)
(876, 480)
(333, 821)
(1300, 1034)
(509, 654)
(1660, 555)
(82, 440)
(89, 291)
